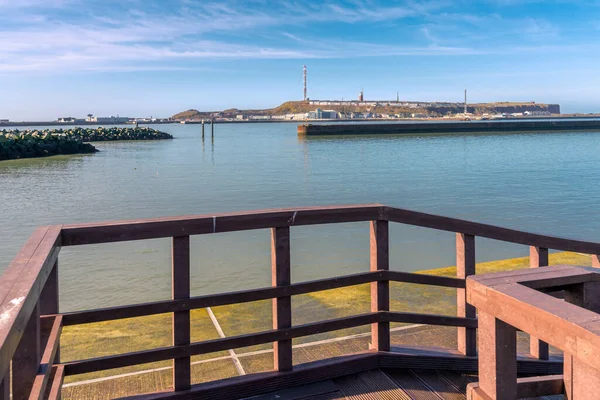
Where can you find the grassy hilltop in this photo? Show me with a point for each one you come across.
(294, 107)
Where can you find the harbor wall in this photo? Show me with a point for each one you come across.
(447, 127)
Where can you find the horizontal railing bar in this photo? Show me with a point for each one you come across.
(424, 279)
(41, 380)
(119, 231)
(431, 319)
(211, 346)
(489, 231)
(166, 306)
(252, 339)
(261, 219)
(24, 284)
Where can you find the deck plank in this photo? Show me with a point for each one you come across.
(440, 385)
(324, 389)
(415, 388)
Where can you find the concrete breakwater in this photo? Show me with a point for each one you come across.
(447, 127)
(33, 143)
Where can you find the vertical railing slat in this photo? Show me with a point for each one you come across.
(282, 306)
(538, 257)
(26, 359)
(181, 319)
(380, 291)
(465, 266)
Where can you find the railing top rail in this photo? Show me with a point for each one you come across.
(117, 231)
(512, 297)
(21, 285)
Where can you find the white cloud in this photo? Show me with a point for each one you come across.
(137, 32)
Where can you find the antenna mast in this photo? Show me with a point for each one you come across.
(304, 76)
(465, 101)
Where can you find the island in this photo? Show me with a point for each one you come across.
(17, 144)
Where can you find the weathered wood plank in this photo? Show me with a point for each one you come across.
(538, 257)
(497, 358)
(117, 231)
(465, 266)
(160, 307)
(263, 219)
(430, 319)
(281, 275)
(24, 283)
(181, 319)
(26, 358)
(550, 319)
(489, 231)
(380, 290)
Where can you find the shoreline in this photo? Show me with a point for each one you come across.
(233, 121)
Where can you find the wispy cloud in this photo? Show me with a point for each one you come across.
(68, 35)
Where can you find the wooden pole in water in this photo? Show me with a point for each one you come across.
(202, 129)
(212, 128)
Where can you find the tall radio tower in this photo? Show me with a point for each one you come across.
(304, 75)
(465, 101)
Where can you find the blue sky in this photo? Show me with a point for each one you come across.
(150, 57)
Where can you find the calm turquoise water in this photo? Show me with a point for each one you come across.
(547, 183)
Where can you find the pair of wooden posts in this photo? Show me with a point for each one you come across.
(212, 128)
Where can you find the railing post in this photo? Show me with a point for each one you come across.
(380, 291)
(5, 387)
(579, 378)
(49, 299)
(181, 319)
(497, 358)
(26, 359)
(465, 266)
(538, 257)
(282, 306)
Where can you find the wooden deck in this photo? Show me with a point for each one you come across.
(384, 384)
(425, 338)
(385, 362)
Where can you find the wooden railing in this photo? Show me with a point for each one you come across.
(507, 302)
(30, 322)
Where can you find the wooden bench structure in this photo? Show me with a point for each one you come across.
(30, 321)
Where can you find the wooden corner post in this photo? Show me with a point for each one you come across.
(380, 291)
(282, 306)
(27, 357)
(538, 257)
(465, 266)
(497, 358)
(181, 319)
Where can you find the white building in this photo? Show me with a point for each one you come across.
(107, 120)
